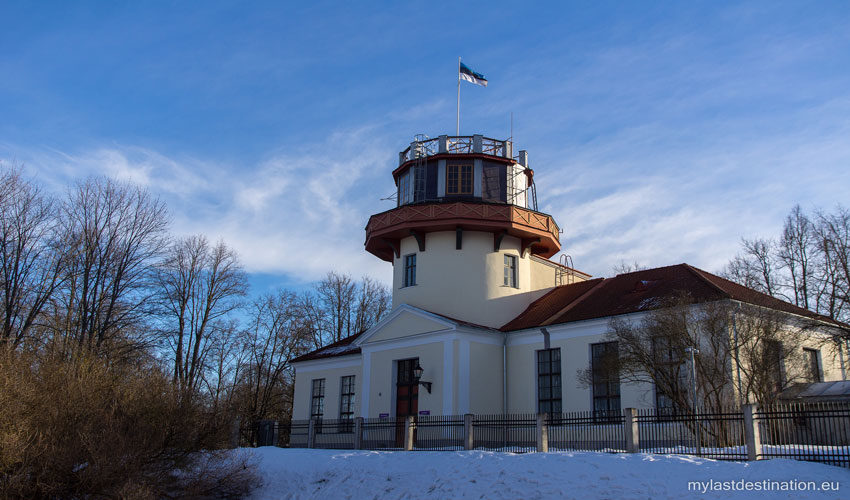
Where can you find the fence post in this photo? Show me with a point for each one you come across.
(542, 433)
(276, 434)
(358, 433)
(751, 430)
(311, 433)
(468, 439)
(632, 433)
(477, 143)
(409, 427)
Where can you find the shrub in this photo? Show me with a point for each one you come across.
(83, 427)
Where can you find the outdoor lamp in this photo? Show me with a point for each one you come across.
(417, 374)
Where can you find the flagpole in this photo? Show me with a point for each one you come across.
(457, 129)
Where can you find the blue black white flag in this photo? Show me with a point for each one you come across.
(470, 76)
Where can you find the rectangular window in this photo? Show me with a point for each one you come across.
(812, 365)
(549, 381)
(459, 179)
(346, 403)
(410, 269)
(605, 371)
(510, 270)
(419, 183)
(772, 364)
(668, 363)
(665, 408)
(317, 402)
(404, 188)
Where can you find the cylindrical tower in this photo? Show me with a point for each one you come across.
(465, 238)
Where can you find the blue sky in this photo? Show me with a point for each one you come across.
(659, 132)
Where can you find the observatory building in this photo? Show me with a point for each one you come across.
(484, 320)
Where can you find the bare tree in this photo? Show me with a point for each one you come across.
(30, 260)
(624, 267)
(743, 349)
(756, 267)
(834, 242)
(373, 302)
(807, 266)
(114, 232)
(276, 336)
(226, 359)
(336, 294)
(200, 285)
(794, 252)
(313, 319)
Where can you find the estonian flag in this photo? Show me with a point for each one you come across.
(471, 76)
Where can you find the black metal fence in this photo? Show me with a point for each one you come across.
(586, 431)
(512, 433)
(334, 434)
(814, 432)
(817, 432)
(383, 434)
(716, 434)
(438, 433)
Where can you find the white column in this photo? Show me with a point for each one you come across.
(441, 178)
(366, 393)
(448, 377)
(463, 382)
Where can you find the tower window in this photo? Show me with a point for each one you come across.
(410, 269)
(404, 189)
(458, 179)
(510, 271)
(418, 183)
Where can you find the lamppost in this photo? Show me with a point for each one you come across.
(692, 351)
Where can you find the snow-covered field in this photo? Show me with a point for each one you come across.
(334, 474)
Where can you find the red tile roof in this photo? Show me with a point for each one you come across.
(641, 291)
(550, 304)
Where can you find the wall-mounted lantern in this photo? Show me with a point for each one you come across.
(417, 375)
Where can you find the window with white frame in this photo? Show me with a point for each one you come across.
(410, 270)
(510, 271)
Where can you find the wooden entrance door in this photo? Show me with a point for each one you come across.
(406, 396)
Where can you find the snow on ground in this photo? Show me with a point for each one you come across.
(336, 474)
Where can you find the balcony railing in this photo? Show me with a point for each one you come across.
(464, 144)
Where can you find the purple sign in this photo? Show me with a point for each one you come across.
(384, 415)
(424, 412)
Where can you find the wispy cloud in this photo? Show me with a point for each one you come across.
(299, 213)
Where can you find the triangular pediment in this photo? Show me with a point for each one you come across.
(406, 321)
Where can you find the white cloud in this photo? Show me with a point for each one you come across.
(301, 212)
